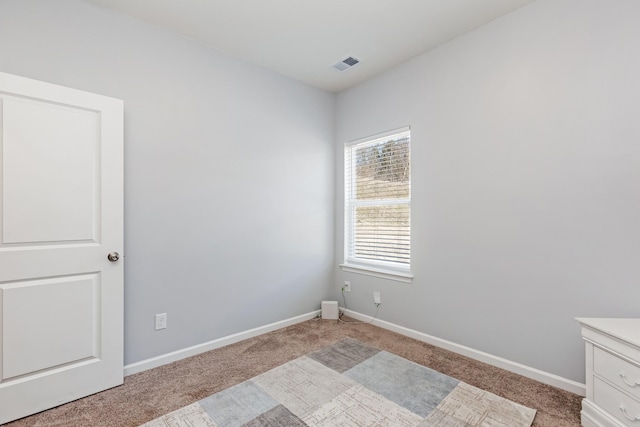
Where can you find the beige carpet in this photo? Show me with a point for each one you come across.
(148, 395)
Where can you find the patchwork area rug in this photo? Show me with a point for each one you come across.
(350, 384)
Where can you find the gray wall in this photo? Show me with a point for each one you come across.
(229, 171)
(526, 172)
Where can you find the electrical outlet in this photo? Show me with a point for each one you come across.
(161, 321)
(376, 298)
(347, 286)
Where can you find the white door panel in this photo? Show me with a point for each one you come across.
(31, 344)
(61, 300)
(50, 176)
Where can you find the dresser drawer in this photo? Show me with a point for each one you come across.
(616, 403)
(617, 371)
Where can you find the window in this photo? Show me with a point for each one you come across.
(378, 205)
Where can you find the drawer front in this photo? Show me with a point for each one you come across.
(617, 371)
(616, 403)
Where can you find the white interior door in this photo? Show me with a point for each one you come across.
(61, 192)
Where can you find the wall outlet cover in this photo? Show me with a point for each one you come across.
(161, 321)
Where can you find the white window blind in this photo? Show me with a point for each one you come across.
(378, 201)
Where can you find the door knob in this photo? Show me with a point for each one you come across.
(113, 256)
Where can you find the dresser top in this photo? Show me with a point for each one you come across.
(627, 330)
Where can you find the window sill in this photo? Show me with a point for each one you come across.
(398, 276)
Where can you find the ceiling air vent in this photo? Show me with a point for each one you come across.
(346, 63)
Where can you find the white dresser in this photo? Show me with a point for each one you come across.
(613, 372)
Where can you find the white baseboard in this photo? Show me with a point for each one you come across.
(515, 367)
(163, 359)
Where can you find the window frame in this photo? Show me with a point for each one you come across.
(378, 268)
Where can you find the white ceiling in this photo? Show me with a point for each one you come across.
(303, 38)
